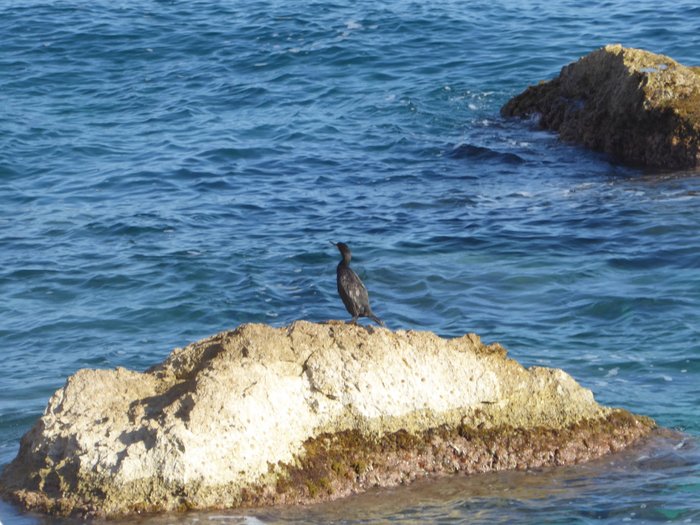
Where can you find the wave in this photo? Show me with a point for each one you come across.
(470, 151)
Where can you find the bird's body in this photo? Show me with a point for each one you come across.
(351, 289)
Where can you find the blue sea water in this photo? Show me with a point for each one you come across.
(170, 169)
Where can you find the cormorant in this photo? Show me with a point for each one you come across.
(350, 288)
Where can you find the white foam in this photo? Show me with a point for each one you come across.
(246, 520)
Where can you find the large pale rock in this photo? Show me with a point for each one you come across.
(261, 415)
(638, 106)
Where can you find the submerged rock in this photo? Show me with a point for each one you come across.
(263, 415)
(638, 106)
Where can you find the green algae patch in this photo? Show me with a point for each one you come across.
(349, 462)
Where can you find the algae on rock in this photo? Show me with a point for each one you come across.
(637, 106)
(263, 415)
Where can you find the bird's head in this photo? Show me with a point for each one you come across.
(343, 249)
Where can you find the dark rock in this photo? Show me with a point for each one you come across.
(637, 106)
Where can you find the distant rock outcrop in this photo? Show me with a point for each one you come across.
(638, 106)
(263, 415)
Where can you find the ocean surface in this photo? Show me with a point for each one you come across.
(171, 169)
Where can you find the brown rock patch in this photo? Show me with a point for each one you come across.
(637, 106)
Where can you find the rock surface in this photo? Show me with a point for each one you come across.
(640, 107)
(263, 415)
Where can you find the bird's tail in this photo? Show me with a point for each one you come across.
(376, 320)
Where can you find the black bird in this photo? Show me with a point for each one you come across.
(350, 288)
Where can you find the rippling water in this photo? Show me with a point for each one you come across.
(170, 169)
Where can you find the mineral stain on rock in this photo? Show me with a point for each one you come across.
(306, 413)
(640, 107)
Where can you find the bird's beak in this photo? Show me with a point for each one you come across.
(334, 243)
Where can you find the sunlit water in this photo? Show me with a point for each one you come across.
(172, 169)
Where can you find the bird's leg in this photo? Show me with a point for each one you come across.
(377, 320)
(354, 319)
